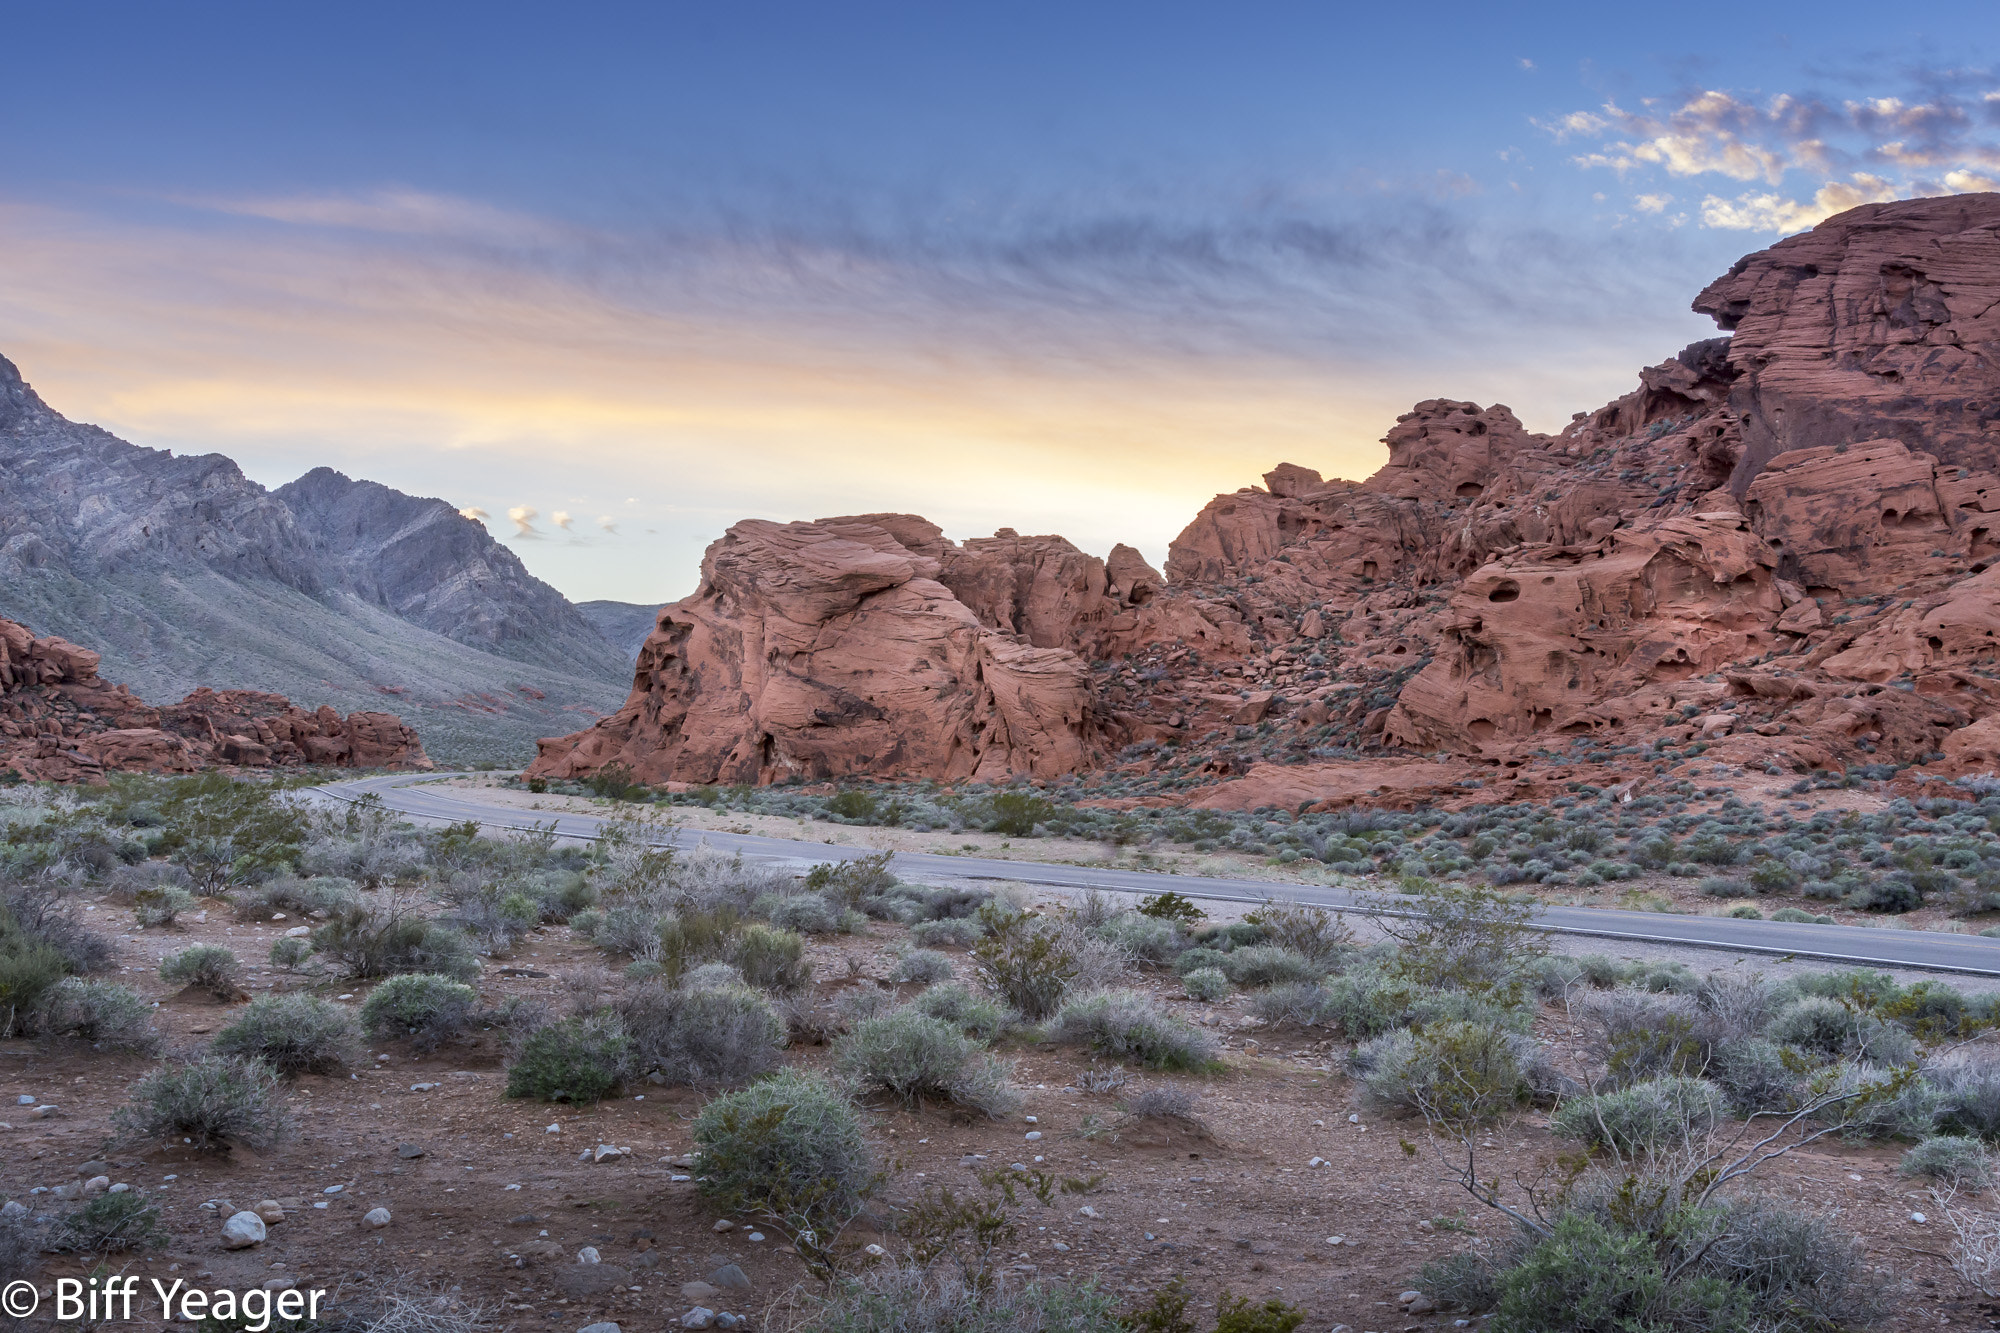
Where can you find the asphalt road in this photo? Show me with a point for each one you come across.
(1923, 950)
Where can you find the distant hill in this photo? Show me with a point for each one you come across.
(182, 572)
(625, 624)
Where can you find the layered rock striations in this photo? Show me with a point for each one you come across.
(1778, 551)
(61, 722)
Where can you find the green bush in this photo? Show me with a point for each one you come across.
(1755, 1075)
(973, 1014)
(1236, 1314)
(772, 959)
(1199, 957)
(422, 1008)
(1453, 1073)
(160, 906)
(383, 943)
(102, 1013)
(578, 1060)
(208, 966)
(1171, 906)
(29, 971)
(290, 952)
(1207, 984)
(959, 931)
(1033, 962)
(1127, 1025)
(1463, 1281)
(294, 1034)
(1268, 965)
(1147, 939)
(922, 967)
(789, 1147)
(1656, 1116)
(719, 1034)
(1016, 814)
(1589, 1277)
(1962, 1163)
(914, 1056)
(109, 1224)
(206, 1103)
(806, 913)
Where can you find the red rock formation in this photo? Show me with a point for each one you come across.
(832, 649)
(59, 722)
(1772, 552)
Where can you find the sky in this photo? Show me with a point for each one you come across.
(611, 277)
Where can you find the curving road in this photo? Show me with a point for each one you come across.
(1922, 950)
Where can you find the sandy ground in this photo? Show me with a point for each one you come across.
(499, 1204)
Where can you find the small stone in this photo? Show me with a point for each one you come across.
(1404, 1298)
(124, 1187)
(1061, 1248)
(1031, 1120)
(1354, 1120)
(1336, 1240)
(874, 1251)
(297, 932)
(98, 1169)
(333, 1189)
(242, 1231)
(1317, 1161)
(723, 1224)
(12, 1209)
(423, 1087)
(756, 1236)
(280, 1283)
(1426, 1226)
(730, 1278)
(24, 1100)
(728, 1320)
(1422, 1305)
(97, 1185)
(553, 1129)
(1918, 1218)
(1089, 1212)
(588, 1255)
(605, 1327)
(699, 1317)
(409, 1151)
(604, 1152)
(1034, 1136)
(376, 1217)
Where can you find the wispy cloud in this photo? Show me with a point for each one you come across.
(1940, 135)
(524, 517)
(475, 513)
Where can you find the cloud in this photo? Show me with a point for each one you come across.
(561, 518)
(608, 523)
(1936, 137)
(1652, 203)
(475, 513)
(524, 517)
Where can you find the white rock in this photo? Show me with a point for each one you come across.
(604, 1152)
(333, 1189)
(376, 1217)
(97, 1185)
(588, 1255)
(1918, 1218)
(296, 931)
(1336, 1240)
(699, 1317)
(1034, 1136)
(1031, 1120)
(1317, 1161)
(1088, 1211)
(24, 1100)
(123, 1187)
(1354, 1120)
(723, 1224)
(242, 1231)
(270, 1210)
(1404, 1298)
(553, 1129)
(12, 1209)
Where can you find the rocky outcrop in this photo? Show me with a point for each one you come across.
(61, 722)
(833, 649)
(1781, 550)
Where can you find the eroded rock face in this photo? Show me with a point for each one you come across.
(831, 649)
(59, 722)
(1781, 550)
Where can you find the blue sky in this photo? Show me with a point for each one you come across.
(630, 273)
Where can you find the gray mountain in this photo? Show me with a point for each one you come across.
(625, 624)
(183, 572)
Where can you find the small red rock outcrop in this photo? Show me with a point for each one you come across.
(59, 722)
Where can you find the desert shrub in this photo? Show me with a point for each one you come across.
(290, 952)
(790, 1147)
(1463, 1281)
(383, 943)
(1239, 1314)
(579, 1060)
(1754, 1074)
(860, 1002)
(923, 967)
(291, 896)
(422, 1008)
(1798, 1269)
(1555, 975)
(1268, 965)
(1035, 963)
(1463, 938)
(1640, 1035)
(160, 906)
(960, 931)
(1592, 1277)
(1208, 984)
(1963, 1164)
(623, 929)
(109, 1224)
(21, 1243)
(688, 938)
(294, 1034)
(1127, 1025)
(1364, 1003)
(209, 966)
(1162, 1101)
(1968, 1094)
(709, 976)
(206, 1103)
(772, 959)
(910, 1055)
(1886, 895)
(1655, 1116)
(806, 913)
(101, 1012)
(853, 883)
(1313, 933)
(1295, 1003)
(29, 972)
(1721, 886)
(973, 1014)
(1829, 1029)
(37, 911)
(1800, 915)
(907, 1299)
(1199, 957)
(1453, 1073)
(1145, 938)
(699, 1035)
(1882, 1105)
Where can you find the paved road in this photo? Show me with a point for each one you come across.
(1924, 950)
